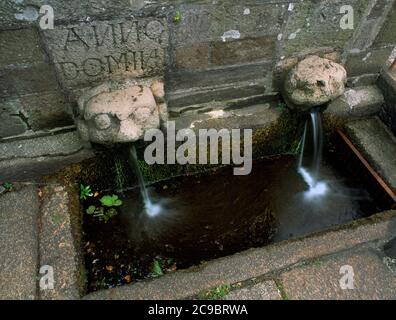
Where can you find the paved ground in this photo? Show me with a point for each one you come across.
(29, 159)
(19, 244)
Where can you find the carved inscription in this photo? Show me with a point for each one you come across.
(89, 53)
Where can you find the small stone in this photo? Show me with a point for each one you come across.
(313, 82)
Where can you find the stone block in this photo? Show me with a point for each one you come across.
(362, 80)
(372, 280)
(89, 53)
(20, 47)
(366, 135)
(194, 57)
(33, 169)
(32, 79)
(11, 122)
(246, 93)
(57, 245)
(357, 102)
(266, 290)
(46, 110)
(212, 22)
(318, 25)
(243, 51)
(387, 35)
(52, 145)
(187, 80)
(387, 83)
(16, 13)
(369, 61)
(19, 212)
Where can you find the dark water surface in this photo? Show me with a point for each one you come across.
(212, 215)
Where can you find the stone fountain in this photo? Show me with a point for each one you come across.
(121, 112)
(313, 82)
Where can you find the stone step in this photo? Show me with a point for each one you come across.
(29, 159)
(357, 103)
(254, 116)
(377, 143)
(387, 83)
(19, 211)
(60, 241)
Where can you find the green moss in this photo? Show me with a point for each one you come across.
(282, 290)
(281, 138)
(120, 176)
(177, 18)
(215, 293)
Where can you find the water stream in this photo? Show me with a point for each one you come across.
(311, 173)
(151, 208)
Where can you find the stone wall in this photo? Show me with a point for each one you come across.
(206, 50)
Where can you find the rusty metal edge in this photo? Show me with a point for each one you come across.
(377, 177)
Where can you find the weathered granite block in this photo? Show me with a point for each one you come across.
(387, 83)
(35, 112)
(89, 53)
(356, 103)
(369, 61)
(17, 13)
(21, 80)
(243, 51)
(11, 122)
(20, 47)
(46, 110)
(387, 34)
(317, 24)
(193, 57)
(214, 22)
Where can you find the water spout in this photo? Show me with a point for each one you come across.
(311, 176)
(151, 209)
(317, 142)
(304, 137)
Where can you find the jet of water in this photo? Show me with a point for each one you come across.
(151, 209)
(316, 188)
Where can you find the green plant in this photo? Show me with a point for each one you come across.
(85, 192)
(111, 201)
(281, 290)
(119, 175)
(177, 17)
(281, 105)
(57, 218)
(8, 186)
(101, 213)
(216, 293)
(157, 270)
(107, 210)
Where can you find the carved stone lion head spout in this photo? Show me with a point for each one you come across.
(121, 112)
